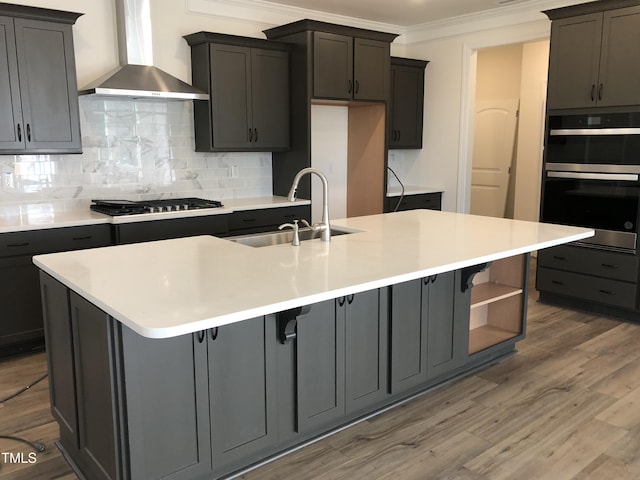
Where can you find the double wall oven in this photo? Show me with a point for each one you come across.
(592, 176)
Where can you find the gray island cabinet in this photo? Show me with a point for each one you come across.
(196, 376)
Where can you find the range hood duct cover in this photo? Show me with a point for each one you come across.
(137, 77)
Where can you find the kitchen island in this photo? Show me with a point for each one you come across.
(199, 357)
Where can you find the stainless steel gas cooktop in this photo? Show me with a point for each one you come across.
(130, 207)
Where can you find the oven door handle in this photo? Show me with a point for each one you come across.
(594, 131)
(626, 177)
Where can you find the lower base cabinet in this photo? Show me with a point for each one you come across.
(211, 403)
(429, 330)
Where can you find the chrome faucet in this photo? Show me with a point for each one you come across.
(323, 226)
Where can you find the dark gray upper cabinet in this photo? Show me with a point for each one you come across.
(407, 103)
(38, 88)
(347, 68)
(248, 84)
(594, 57)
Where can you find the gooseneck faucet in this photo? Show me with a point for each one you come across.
(323, 226)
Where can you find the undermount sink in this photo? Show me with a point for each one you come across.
(276, 238)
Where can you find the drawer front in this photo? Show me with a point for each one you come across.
(267, 218)
(430, 201)
(174, 228)
(586, 287)
(616, 266)
(54, 240)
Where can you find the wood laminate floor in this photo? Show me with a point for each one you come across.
(566, 406)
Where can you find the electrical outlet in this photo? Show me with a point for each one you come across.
(233, 171)
(7, 180)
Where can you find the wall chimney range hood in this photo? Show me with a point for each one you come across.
(137, 77)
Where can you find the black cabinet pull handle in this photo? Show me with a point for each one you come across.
(433, 278)
(255, 137)
(201, 335)
(357, 86)
(593, 92)
(88, 237)
(607, 292)
(247, 220)
(28, 132)
(250, 135)
(558, 257)
(19, 133)
(214, 333)
(341, 301)
(399, 135)
(600, 91)
(350, 298)
(24, 244)
(609, 265)
(350, 87)
(557, 282)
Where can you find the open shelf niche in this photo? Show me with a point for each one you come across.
(497, 303)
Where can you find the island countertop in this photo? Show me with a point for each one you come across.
(173, 287)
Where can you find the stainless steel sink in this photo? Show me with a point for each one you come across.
(276, 238)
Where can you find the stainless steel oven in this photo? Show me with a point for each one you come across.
(592, 176)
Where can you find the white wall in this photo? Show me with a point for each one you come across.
(445, 159)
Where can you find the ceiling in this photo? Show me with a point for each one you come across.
(402, 12)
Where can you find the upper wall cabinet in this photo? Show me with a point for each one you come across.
(347, 68)
(348, 63)
(407, 103)
(248, 84)
(38, 89)
(594, 56)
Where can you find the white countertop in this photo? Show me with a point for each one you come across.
(173, 287)
(39, 216)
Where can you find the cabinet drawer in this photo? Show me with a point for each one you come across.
(174, 228)
(617, 266)
(586, 287)
(267, 218)
(430, 201)
(54, 240)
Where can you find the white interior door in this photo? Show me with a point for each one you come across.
(493, 149)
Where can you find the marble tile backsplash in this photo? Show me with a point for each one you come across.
(133, 149)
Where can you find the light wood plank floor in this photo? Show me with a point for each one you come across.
(566, 406)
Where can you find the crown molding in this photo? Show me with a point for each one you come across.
(267, 15)
(529, 12)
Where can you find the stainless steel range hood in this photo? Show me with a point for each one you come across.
(137, 77)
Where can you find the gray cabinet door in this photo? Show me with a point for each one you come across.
(320, 366)
(408, 335)
(48, 88)
(620, 60)
(62, 382)
(167, 406)
(10, 108)
(242, 379)
(270, 98)
(574, 60)
(332, 66)
(407, 106)
(98, 431)
(448, 325)
(371, 65)
(366, 341)
(231, 96)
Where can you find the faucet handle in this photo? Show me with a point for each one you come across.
(296, 238)
(305, 223)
